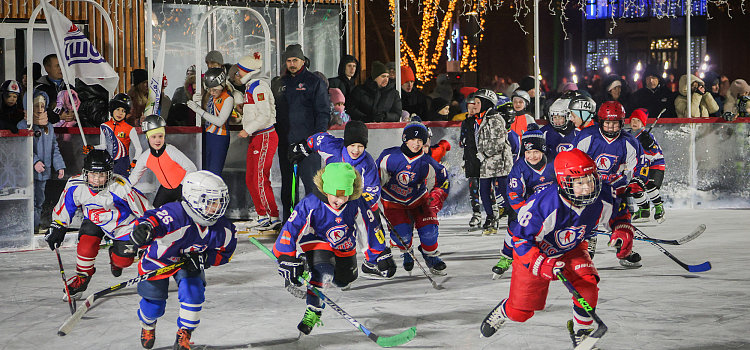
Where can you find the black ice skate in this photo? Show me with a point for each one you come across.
(183, 339)
(148, 335)
(371, 271)
(490, 226)
(408, 262)
(632, 261)
(310, 320)
(436, 265)
(77, 285)
(116, 270)
(592, 246)
(494, 320)
(580, 335)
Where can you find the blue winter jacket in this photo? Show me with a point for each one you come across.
(45, 150)
(302, 106)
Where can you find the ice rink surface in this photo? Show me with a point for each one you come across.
(659, 306)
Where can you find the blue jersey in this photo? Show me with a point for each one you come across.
(553, 139)
(175, 234)
(515, 145)
(315, 225)
(566, 144)
(332, 150)
(548, 222)
(523, 181)
(618, 160)
(654, 155)
(406, 180)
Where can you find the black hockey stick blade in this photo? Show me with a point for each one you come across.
(72, 321)
(386, 342)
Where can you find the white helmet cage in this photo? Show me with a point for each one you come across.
(206, 195)
(559, 109)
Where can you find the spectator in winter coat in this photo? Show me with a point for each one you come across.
(302, 109)
(713, 81)
(51, 84)
(653, 96)
(338, 116)
(738, 92)
(348, 74)
(10, 113)
(439, 110)
(443, 88)
(67, 111)
(138, 92)
(36, 71)
(376, 100)
(412, 99)
(214, 59)
(703, 104)
(615, 89)
(46, 153)
(185, 92)
(94, 108)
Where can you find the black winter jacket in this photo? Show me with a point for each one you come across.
(302, 106)
(94, 108)
(653, 100)
(468, 142)
(49, 87)
(414, 102)
(368, 103)
(341, 82)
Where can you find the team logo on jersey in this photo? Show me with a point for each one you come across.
(336, 234)
(604, 162)
(98, 216)
(261, 97)
(564, 147)
(121, 134)
(405, 177)
(301, 86)
(567, 237)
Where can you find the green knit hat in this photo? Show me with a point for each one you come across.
(338, 179)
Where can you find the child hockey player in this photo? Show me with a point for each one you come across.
(258, 119)
(521, 100)
(193, 229)
(109, 205)
(558, 127)
(218, 109)
(656, 166)
(528, 176)
(471, 165)
(117, 135)
(167, 162)
(350, 149)
(437, 151)
(549, 237)
(414, 188)
(618, 157)
(582, 111)
(324, 223)
(494, 154)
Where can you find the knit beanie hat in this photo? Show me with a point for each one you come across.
(336, 95)
(138, 76)
(613, 85)
(527, 83)
(640, 114)
(377, 69)
(214, 56)
(338, 179)
(294, 50)
(533, 139)
(355, 131)
(38, 95)
(407, 74)
(467, 90)
(250, 62)
(415, 130)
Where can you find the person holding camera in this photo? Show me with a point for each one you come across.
(702, 104)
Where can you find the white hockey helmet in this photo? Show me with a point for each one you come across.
(205, 197)
(559, 109)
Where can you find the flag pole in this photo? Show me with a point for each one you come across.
(64, 68)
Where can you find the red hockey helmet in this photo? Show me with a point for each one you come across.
(611, 111)
(577, 177)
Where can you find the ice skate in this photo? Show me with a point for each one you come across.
(148, 335)
(499, 269)
(116, 270)
(632, 261)
(489, 227)
(408, 262)
(77, 285)
(183, 339)
(641, 215)
(371, 271)
(436, 265)
(494, 320)
(268, 224)
(659, 212)
(476, 219)
(577, 336)
(310, 320)
(592, 246)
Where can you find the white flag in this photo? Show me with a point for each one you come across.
(154, 86)
(82, 59)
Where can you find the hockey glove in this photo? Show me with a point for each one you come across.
(436, 199)
(298, 151)
(646, 140)
(195, 261)
(622, 239)
(193, 106)
(87, 149)
(544, 267)
(636, 185)
(729, 116)
(55, 235)
(142, 234)
(291, 269)
(386, 265)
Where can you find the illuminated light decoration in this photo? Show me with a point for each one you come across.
(575, 79)
(572, 68)
(664, 75)
(702, 75)
(705, 59)
(607, 69)
(638, 67)
(704, 66)
(636, 76)
(666, 65)
(605, 61)
(424, 63)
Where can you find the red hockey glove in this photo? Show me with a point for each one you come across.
(622, 239)
(544, 267)
(436, 199)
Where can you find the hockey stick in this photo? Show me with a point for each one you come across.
(680, 241)
(410, 251)
(386, 342)
(73, 320)
(294, 188)
(601, 328)
(657, 119)
(71, 302)
(691, 268)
